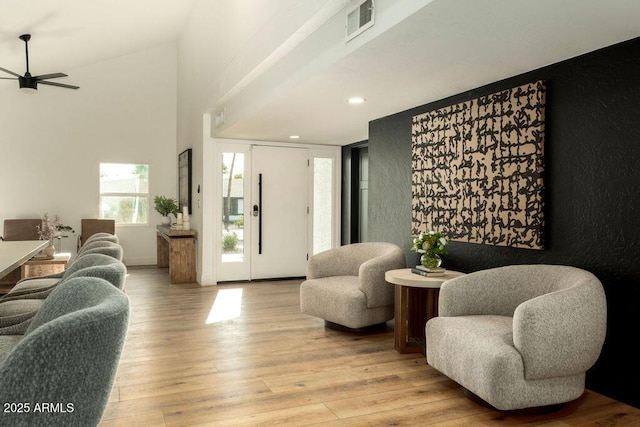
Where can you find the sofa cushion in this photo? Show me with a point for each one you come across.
(114, 251)
(15, 315)
(338, 299)
(69, 354)
(114, 272)
(90, 265)
(32, 288)
(488, 364)
(14, 309)
(7, 342)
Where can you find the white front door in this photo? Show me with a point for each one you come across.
(295, 191)
(279, 212)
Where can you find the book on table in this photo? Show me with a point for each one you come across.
(428, 272)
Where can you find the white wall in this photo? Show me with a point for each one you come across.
(51, 143)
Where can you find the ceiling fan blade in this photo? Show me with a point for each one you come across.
(58, 84)
(8, 78)
(10, 72)
(50, 76)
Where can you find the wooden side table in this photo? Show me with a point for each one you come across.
(416, 301)
(42, 267)
(176, 249)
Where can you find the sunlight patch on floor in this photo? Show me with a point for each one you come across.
(227, 306)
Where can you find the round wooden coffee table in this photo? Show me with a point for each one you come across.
(416, 301)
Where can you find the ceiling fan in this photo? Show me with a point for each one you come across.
(31, 82)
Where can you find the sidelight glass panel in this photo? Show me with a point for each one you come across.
(322, 204)
(363, 196)
(232, 207)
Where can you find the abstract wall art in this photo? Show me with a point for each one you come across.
(478, 169)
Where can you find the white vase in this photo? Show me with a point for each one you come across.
(165, 220)
(50, 250)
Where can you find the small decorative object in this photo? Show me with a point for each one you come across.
(429, 272)
(50, 251)
(186, 222)
(178, 224)
(165, 206)
(52, 229)
(431, 245)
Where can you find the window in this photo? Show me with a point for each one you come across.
(322, 204)
(233, 207)
(124, 193)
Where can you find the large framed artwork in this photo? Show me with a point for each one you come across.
(477, 169)
(184, 179)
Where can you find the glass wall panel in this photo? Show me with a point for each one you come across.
(232, 207)
(322, 204)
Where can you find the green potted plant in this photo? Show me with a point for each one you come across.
(431, 245)
(165, 206)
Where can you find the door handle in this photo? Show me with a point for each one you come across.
(256, 212)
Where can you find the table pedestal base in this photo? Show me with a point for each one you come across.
(416, 298)
(413, 307)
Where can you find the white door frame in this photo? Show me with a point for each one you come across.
(230, 145)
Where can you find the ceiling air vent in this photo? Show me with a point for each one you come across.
(359, 18)
(219, 117)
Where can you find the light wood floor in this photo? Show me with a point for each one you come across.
(273, 365)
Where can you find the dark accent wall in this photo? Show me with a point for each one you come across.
(592, 193)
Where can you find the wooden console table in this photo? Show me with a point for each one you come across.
(416, 302)
(177, 250)
(43, 267)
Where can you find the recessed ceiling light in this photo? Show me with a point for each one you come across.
(356, 100)
(294, 137)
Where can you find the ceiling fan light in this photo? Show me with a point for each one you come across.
(28, 85)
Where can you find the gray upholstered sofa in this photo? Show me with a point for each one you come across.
(102, 246)
(519, 336)
(61, 371)
(345, 286)
(22, 302)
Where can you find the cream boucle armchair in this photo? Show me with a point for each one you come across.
(519, 336)
(345, 286)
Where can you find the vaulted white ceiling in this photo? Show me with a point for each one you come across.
(72, 33)
(417, 52)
